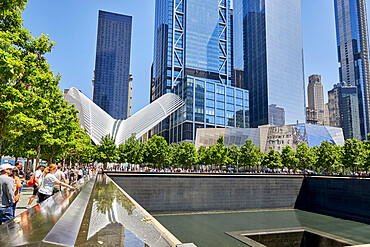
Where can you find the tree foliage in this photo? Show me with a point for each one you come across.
(106, 152)
(156, 151)
(35, 120)
(288, 158)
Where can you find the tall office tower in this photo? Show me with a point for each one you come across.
(239, 78)
(273, 59)
(192, 58)
(326, 115)
(344, 110)
(333, 105)
(353, 55)
(112, 64)
(316, 105)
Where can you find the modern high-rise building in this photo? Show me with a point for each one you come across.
(344, 110)
(315, 113)
(192, 58)
(112, 64)
(353, 54)
(272, 49)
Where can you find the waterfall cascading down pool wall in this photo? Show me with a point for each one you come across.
(168, 193)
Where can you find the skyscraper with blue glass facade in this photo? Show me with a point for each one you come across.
(112, 64)
(352, 42)
(192, 58)
(269, 47)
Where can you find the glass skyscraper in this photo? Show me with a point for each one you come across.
(192, 58)
(351, 29)
(272, 51)
(112, 64)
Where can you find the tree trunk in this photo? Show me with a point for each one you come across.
(26, 166)
(1, 140)
(63, 160)
(38, 153)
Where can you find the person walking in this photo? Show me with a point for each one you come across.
(38, 179)
(6, 193)
(48, 182)
(61, 177)
(80, 174)
(19, 165)
(17, 187)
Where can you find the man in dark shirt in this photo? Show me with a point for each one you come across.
(19, 165)
(6, 193)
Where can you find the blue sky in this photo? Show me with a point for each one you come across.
(72, 25)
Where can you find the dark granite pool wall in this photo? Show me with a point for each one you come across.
(181, 193)
(343, 197)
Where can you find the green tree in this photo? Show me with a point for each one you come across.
(31, 105)
(305, 156)
(203, 157)
(156, 151)
(132, 151)
(106, 152)
(250, 155)
(365, 155)
(328, 157)
(219, 154)
(288, 158)
(352, 154)
(234, 155)
(186, 154)
(272, 160)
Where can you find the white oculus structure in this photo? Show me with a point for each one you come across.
(98, 123)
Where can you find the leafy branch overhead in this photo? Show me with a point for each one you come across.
(35, 120)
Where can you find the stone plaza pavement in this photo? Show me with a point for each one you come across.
(23, 199)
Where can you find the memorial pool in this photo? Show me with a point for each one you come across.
(209, 229)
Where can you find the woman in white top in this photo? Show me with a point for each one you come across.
(48, 182)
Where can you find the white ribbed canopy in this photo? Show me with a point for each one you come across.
(98, 123)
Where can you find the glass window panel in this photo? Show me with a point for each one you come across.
(230, 107)
(239, 94)
(239, 119)
(230, 99)
(220, 97)
(199, 83)
(190, 82)
(230, 92)
(210, 95)
(199, 117)
(210, 87)
(220, 89)
(210, 111)
(210, 103)
(220, 113)
(221, 120)
(220, 105)
(238, 101)
(210, 119)
(199, 109)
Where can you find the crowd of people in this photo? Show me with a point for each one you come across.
(45, 181)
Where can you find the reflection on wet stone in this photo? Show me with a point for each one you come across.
(115, 221)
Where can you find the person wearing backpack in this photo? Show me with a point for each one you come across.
(35, 182)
